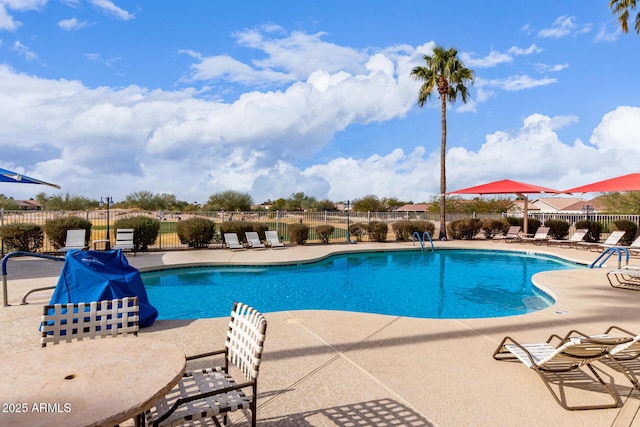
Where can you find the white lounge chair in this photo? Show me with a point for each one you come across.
(613, 240)
(542, 235)
(272, 239)
(75, 240)
(568, 355)
(625, 351)
(512, 234)
(254, 240)
(232, 242)
(627, 277)
(577, 236)
(634, 247)
(124, 239)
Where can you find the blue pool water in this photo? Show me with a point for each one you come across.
(441, 284)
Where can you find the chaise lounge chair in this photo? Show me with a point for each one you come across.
(205, 394)
(613, 240)
(542, 235)
(124, 240)
(634, 247)
(568, 355)
(625, 351)
(577, 236)
(254, 240)
(272, 239)
(75, 240)
(627, 277)
(232, 242)
(513, 234)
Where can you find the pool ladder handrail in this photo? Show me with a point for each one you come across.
(416, 236)
(607, 253)
(6, 258)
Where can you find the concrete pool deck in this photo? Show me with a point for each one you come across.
(329, 368)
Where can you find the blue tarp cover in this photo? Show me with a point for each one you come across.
(101, 275)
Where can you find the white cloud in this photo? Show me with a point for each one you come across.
(544, 68)
(514, 83)
(606, 35)
(6, 21)
(618, 132)
(287, 58)
(491, 60)
(564, 26)
(528, 51)
(495, 58)
(72, 24)
(24, 51)
(109, 8)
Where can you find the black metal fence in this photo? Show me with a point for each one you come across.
(278, 220)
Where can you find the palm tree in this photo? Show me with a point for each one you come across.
(621, 8)
(448, 74)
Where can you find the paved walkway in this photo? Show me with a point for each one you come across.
(326, 368)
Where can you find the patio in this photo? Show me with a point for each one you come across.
(338, 368)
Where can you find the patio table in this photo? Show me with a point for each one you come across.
(87, 383)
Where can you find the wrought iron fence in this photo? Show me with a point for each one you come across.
(278, 220)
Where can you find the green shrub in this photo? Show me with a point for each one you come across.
(298, 233)
(466, 228)
(22, 237)
(404, 229)
(196, 232)
(145, 230)
(358, 230)
(241, 227)
(324, 232)
(630, 229)
(594, 227)
(56, 229)
(558, 228)
(493, 227)
(377, 231)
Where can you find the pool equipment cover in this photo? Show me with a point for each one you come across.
(101, 275)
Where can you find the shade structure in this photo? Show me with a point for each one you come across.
(629, 182)
(507, 186)
(16, 178)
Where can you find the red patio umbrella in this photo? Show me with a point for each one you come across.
(630, 182)
(507, 186)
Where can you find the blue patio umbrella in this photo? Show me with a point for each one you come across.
(16, 178)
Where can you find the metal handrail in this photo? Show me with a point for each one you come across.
(609, 252)
(416, 236)
(5, 297)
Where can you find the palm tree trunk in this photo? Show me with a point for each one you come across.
(443, 170)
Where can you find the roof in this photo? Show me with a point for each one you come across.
(418, 207)
(554, 204)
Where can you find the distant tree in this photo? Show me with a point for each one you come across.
(393, 203)
(229, 201)
(144, 200)
(325, 205)
(300, 202)
(7, 203)
(621, 8)
(68, 203)
(447, 74)
(278, 205)
(622, 203)
(368, 203)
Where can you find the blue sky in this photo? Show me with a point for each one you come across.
(108, 98)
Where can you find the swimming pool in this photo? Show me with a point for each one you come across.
(442, 284)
